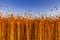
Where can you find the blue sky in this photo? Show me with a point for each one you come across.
(24, 5)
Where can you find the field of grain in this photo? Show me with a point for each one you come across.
(20, 28)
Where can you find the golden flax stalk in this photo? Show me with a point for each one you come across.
(20, 28)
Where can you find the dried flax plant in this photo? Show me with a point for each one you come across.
(29, 28)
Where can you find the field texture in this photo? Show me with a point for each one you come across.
(20, 28)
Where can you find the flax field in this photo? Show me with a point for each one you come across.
(38, 28)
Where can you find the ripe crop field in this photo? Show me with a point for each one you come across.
(20, 28)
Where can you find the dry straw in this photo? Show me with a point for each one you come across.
(29, 28)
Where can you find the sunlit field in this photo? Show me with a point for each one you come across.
(29, 28)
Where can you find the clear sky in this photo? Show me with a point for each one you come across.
(24, 5)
